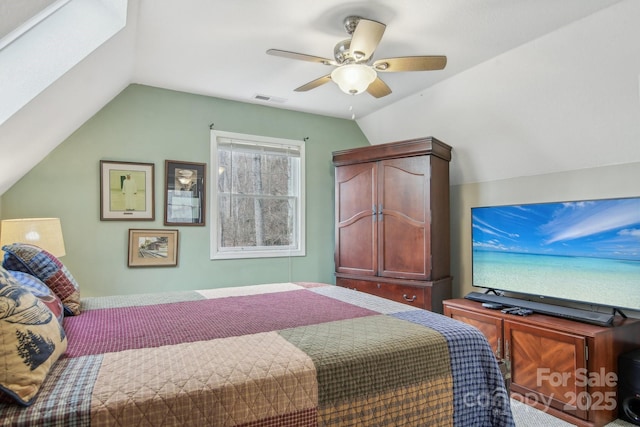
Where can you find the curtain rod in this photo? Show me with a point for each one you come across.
(305, 139)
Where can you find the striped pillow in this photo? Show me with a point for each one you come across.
(46, 267)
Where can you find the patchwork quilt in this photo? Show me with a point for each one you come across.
(289, 354)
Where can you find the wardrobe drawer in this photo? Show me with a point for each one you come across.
(407, 294)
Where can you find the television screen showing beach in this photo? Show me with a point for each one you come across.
(586, 251)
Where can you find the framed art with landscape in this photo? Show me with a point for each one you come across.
(184, 193)
(153, 248)
(126, 191)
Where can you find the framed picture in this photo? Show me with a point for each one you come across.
(153, 248)
(126, 191)
(184, 193)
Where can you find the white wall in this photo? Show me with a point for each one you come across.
(568, 100)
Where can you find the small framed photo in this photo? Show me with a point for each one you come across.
(185, 193)
(126, 191)
(153, 248)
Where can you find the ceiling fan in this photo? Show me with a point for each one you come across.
(355, 70)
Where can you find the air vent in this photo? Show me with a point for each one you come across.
(267, 98)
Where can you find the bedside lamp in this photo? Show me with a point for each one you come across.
(45, 233)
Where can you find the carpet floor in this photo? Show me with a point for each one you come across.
(527, 416)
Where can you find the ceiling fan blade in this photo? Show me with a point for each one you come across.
(365, 39)
(300, 56)
(410, 63)
(314, 83)
(378, 88)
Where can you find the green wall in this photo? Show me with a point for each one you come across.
(146, 124)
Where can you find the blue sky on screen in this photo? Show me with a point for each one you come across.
(599, 228)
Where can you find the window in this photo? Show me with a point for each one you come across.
(257, 203)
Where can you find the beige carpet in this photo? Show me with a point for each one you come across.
(526, 416)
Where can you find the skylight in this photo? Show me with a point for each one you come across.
(18, 17)
(45, 46)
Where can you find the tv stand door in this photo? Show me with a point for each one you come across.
(490, 326)
(544, 364)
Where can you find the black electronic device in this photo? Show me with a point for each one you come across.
(593, 317)
(581, 251)
(492, 305)
(629, 387)
(518, 311)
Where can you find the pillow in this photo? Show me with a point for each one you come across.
(46, 267)
(31, 340)
(42, 291)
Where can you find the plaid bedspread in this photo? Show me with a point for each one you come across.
(304, 354)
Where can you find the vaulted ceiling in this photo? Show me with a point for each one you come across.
(218, 48)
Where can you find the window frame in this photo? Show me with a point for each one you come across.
(255, 252)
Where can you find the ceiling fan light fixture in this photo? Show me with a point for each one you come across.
(353, 78)
(355, 71)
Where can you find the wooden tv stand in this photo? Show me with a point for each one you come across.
(563, 367)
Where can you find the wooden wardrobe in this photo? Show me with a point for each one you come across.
(392, 221)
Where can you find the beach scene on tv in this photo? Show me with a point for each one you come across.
(585, 251)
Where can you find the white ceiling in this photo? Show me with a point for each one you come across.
(217, 48)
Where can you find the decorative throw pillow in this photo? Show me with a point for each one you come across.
(31, 340)
(42, 291)
(46, 267)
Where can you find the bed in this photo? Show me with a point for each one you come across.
(288, 354)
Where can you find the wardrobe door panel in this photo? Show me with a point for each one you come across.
(403, 199)
(356, 232)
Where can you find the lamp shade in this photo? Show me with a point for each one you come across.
(353, 78)
(46, 233)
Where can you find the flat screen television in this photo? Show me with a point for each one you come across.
(584, 251)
